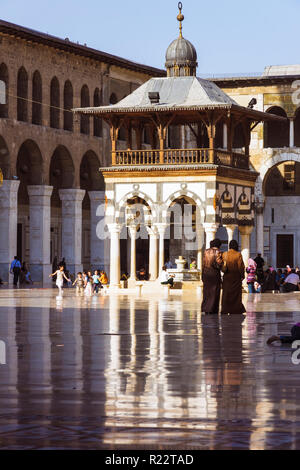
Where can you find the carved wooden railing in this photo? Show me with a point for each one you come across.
(180, 157)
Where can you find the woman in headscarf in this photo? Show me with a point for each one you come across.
(251, 275)
(232, 280)
(211, 277)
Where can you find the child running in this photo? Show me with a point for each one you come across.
(60, 275)
(88, 284)
(79, 282)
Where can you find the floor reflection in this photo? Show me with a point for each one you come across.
(130, 372)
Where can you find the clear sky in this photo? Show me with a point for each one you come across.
(230, 36)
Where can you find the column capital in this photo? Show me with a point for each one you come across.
(245, 229)
(152, 231)
(96, 196)
(161, 227)
(211, 226)
(9, 193)
(71, 195)
(115, 228)
(230, 226)
(39, 191)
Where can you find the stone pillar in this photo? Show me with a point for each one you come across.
(210, 232)
(153, 253)
(260, 228)
(292, 132)
(114, 230)
(225, 140)
(71, 239)
(161, 230)
(39, 233)
(245, 231)
(132, 232)
(230, 231)
(8, 226)
(97, 200)
(200, 242)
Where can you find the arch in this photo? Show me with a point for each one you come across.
(4, 159)
(268, 165)
(29, 168)
(91, 179)
(68, 105)
(276, 134)
(189, 195)
(61, 173)
(22, 95)
(283, 179)
(85, 103)
(297, 128)
(3, 91)
(54, 103)
(97, 119)
(37, 98)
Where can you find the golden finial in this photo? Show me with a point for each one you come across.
(180, 18)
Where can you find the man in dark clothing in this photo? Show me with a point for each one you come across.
(15, 269)
(211, 277)
(259, 268)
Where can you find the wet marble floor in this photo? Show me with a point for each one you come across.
(129, 372)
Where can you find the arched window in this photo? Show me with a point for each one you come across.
(276, 134)
(97, 120)
(3, 91)
(22, 95)
(54, 103)
(297, 128)
(37, 98)
(68, 104)
(85, 103)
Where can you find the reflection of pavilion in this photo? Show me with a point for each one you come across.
(204, 172)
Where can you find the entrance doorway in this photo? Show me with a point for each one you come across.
(285, 250)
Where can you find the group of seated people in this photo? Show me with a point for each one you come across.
(270, 280)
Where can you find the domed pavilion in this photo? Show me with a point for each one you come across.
(182, 176)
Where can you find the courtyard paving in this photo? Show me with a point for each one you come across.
(131, 372)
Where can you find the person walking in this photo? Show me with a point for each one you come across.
(251, 275)
(15, 269)
(211, 277)
(232, 280)
(60, 276)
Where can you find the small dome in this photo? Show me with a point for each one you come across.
(180, 51)
(181, 58)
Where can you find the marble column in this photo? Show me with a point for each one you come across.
(292, 132)
(39, 233)
(72, 228)
(210, 232)
(260, 228)
(115, 230)
(8, 226)
(98, 255)
(132, 229)
(230, 231)
(245, 231)
(153, 253)
(200, 242)
(161, 227)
